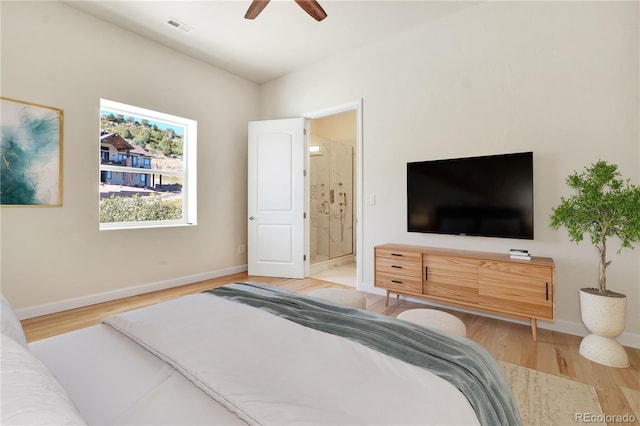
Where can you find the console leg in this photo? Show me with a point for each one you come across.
(534, 329)
(386, 303)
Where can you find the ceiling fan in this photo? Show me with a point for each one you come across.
(310, 6)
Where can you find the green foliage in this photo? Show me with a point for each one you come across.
(147, 135)
(142, 139)
(137, 208)
(604, 206)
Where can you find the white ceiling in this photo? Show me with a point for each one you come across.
(281, 39)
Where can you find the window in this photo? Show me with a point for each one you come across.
(165, 195)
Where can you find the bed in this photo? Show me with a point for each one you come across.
(250, 353)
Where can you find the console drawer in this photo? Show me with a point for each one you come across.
(399, 282)
(415, 256)
(399, 266)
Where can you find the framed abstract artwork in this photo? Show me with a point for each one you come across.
(30, 154)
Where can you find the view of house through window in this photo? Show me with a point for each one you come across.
(147, 168)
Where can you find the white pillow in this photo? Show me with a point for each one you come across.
(30, 394)
(10, 323)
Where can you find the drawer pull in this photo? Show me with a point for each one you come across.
(546, 291)
(397, 254)
(396, 266)
(396, 281)
(426, 273)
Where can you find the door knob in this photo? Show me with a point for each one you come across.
(251, 217)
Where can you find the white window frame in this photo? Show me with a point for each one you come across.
(189, 166)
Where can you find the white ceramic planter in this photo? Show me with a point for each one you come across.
(606, 318)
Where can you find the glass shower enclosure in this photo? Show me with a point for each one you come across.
(331, 199)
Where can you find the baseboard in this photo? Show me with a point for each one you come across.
(79, 302)
(631, 340)
(627, 338)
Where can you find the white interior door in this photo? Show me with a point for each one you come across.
(275, 230)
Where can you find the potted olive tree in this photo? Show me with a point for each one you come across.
(603, 207)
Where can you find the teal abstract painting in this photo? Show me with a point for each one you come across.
(30, 154)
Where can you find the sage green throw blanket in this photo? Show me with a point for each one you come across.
(460, 361)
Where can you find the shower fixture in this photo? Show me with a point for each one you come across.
(343, 212)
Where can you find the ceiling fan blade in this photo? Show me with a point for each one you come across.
(255, 8)
(313, 8)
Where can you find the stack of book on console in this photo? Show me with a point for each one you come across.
(519, 254)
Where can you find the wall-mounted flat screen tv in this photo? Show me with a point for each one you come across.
(489, 196)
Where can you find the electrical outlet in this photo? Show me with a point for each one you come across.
(242, 249)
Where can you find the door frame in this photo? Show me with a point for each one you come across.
(350, 106)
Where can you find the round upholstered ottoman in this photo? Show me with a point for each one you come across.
(435, 319)
(342, 296)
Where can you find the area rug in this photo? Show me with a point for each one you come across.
(545, 399)
(633, 396)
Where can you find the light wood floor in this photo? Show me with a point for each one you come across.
(553, 353)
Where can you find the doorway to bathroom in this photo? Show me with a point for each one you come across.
(333, 144)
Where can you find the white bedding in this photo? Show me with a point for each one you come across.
(269, 370)
(30, 394)
(112, 380)
(249, 365)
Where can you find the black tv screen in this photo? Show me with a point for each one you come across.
(489, 196)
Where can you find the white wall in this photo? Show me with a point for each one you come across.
(57, 56)
(558, 78)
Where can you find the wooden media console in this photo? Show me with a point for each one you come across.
(489, 282)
